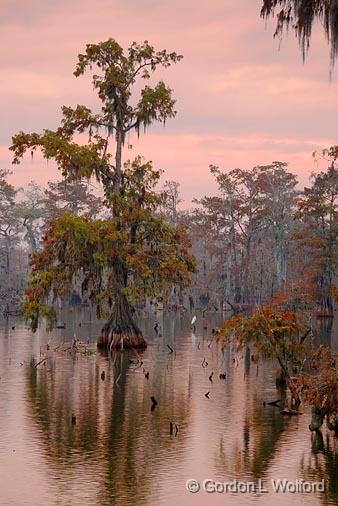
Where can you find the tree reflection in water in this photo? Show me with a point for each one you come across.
(116, 435)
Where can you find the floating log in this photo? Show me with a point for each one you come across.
(289, 412)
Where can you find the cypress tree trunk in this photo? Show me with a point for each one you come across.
(121, 331)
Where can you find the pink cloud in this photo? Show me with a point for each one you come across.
(240, 101)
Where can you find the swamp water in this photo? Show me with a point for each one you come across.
(119, 452)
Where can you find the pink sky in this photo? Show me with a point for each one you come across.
(240, 101)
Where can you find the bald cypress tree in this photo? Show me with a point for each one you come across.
(134, 252)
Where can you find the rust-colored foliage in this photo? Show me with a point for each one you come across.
(152, 253)
(319, 381)
(274, 334)
(281, 335)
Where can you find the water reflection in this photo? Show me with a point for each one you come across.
(114, 430)
(119, 451)
(322, 463)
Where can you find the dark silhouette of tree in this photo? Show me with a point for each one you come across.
(301, 15)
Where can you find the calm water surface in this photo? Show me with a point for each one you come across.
(120, 452)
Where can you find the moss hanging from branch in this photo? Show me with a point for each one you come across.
(301, 15)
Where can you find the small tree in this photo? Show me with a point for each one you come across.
(277, 335)
(131, 235)
(310, 374)
(319, 385)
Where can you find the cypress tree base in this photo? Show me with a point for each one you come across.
(120, 331)
(114, 339)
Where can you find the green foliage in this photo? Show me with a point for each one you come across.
(90, 352)
(74, 160)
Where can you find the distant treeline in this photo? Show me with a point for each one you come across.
(259, 239)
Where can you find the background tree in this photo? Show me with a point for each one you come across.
(171, 201)
(318, 210)
(121, 111)
(279, 197)
(31, 211)
(245, 233)
(10, 224)
(13, 260)
(76, 197)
